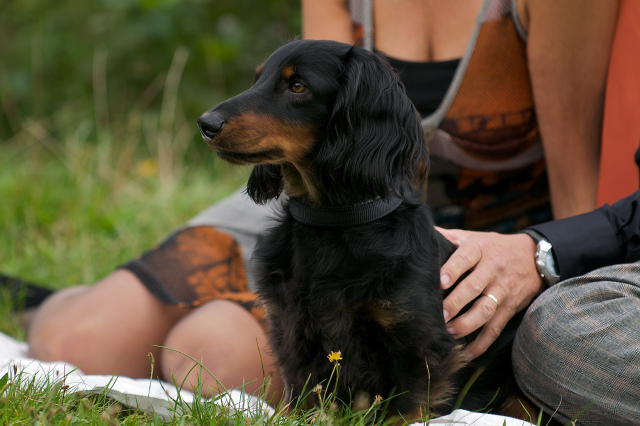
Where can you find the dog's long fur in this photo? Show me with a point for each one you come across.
(330, 124)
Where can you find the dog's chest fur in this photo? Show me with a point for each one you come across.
(371, 292)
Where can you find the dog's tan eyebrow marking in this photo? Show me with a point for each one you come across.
(288, 71)
(259, 68)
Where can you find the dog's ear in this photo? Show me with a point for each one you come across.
(265, 183)
(445, 247)
(374, 143)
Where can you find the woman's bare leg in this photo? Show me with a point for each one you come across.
(103, 329)
(226, 338)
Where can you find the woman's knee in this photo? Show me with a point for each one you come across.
(230, 344)
(50, 325)
(107, 328)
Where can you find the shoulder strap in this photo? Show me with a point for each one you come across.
(362, 13)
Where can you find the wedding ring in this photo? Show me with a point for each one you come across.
(492, 297)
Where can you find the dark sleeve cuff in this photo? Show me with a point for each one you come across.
(582, 243)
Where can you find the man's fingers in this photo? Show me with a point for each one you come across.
(460, 262)
(489, 333)
(453, 235)
(467, 291)
(483, 309)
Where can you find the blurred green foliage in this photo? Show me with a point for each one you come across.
(54, 54)
(100, 155)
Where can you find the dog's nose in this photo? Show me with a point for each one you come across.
(211, 124)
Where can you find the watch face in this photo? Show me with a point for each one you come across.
(550, 263)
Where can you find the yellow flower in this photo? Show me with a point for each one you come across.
(335, 356)
(147, 168)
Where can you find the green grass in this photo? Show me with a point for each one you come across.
(25, 400)
(72, 218)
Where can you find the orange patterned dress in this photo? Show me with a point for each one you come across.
(488, 170)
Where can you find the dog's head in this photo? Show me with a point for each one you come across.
(323, 120)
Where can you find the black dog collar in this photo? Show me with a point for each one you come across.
(342, 216)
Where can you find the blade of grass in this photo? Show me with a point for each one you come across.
(467, 386)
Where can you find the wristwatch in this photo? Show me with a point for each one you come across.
(545, 263)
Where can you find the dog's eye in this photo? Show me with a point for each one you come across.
(298, 87)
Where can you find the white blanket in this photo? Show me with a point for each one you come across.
(156, 396)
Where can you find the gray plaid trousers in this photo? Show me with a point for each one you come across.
(579, 347)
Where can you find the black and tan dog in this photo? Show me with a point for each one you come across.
(353, 264)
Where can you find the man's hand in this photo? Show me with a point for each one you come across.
(500, 265)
